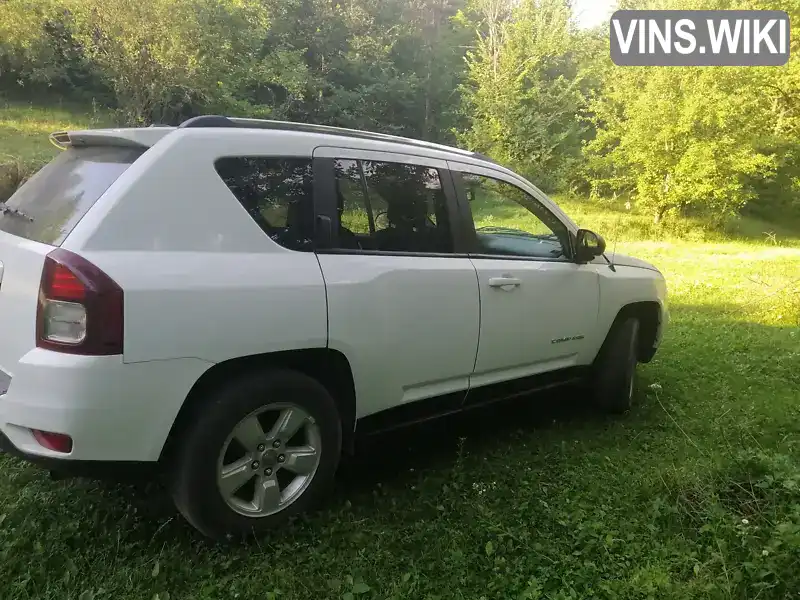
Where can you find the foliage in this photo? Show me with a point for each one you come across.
(694, 494)
(387, 65)
(710, 141)
(681, 139)
(524, 90)
(513, 79)
(161, 57)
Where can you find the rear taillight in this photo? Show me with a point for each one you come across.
(80, 307)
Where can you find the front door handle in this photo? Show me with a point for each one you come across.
(506, 282)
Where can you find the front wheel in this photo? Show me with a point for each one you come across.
(262, 449)
(614, 382)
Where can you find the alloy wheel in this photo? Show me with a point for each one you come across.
(268, 460)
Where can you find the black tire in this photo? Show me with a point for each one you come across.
(614, 381)
(194, 469)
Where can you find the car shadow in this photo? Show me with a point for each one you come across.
(437, 443)
(386, 459)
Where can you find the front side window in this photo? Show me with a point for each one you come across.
(391, 207)
(511, 222)
(276, 193)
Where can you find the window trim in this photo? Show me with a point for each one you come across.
(325, 199)
(469, 221)
(368, 201)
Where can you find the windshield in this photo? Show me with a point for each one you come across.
(49, 205)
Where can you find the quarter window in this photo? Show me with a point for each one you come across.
(391, 207)
(511, 222)
(276, 193)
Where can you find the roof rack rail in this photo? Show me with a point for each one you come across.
(222, 121)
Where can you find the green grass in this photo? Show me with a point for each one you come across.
(694, 494)
(616, 223)
(24, 128)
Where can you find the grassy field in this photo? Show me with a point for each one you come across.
(24, 128)
(694, 494)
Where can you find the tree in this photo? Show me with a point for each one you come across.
(680, 138)
(523, 92)
(37, 49)
(162, 57)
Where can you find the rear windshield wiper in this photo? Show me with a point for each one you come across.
(7, 210)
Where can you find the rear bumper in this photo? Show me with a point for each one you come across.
(83, 468)
(113, 411)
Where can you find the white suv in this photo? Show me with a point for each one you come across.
(232, 300)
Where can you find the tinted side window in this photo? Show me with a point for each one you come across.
(276, 192)
(511, 222)
(392, 207)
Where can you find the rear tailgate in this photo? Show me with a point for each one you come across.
(22, 261)
(37, 218)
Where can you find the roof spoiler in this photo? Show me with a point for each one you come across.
(130, 137)
(60, 139)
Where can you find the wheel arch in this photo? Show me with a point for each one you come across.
(329, 367)
(649, 314)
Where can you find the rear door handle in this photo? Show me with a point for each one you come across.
(505, 282)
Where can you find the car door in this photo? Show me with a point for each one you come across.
(403, 305)
(538, 306)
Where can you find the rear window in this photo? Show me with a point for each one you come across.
(49, 205)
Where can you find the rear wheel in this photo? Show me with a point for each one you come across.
(261, 450)
(614, 383)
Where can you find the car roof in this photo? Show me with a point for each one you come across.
(219, 121)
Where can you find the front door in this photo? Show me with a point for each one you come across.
(538, 307)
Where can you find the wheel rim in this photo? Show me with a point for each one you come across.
(268, 460)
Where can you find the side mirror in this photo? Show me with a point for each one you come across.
(588, 244)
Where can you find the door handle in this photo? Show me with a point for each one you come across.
(505, 282)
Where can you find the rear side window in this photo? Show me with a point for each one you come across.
(276, 193)
(49, 205)
(391, 207)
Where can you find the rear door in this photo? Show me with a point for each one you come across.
(37, 218)
(403, 302)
